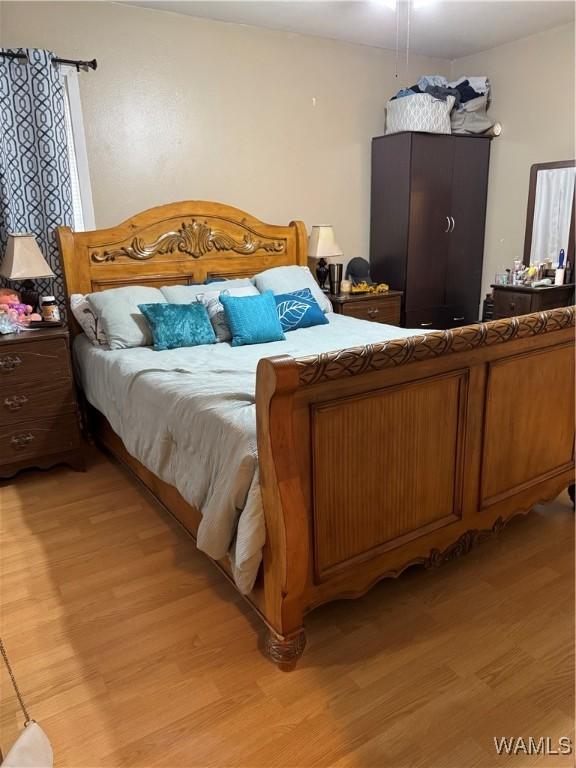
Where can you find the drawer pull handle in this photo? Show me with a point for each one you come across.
(9, 362)
(458, 318)
(425, 325)
(15, 402)
(373, 312)
(512, 305)
(21, 441)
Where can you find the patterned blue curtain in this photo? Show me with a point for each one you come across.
(35, 192)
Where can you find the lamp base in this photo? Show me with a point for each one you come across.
(322, 273)
(29, 294)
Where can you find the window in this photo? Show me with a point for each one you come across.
(82, 205)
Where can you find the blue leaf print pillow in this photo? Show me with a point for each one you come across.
(299, 309)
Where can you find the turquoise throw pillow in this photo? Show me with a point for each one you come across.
(178, 325)
(252, 319)
(299, 309)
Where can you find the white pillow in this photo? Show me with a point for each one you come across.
(290, 279)
(119, 317)
(211, 300)
(185, 294)
(87, 320)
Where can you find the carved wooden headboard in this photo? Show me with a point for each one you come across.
(179, 243)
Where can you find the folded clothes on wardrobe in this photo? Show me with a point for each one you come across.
(480, 84)
(468, 97)
(464, 89)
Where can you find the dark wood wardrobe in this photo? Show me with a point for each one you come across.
(428, 211)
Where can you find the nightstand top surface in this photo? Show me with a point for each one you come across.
(38, 334)
(342, 298)
(531, 288)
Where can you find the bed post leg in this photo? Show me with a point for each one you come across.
(284, 651)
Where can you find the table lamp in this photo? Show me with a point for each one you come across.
(24, 261)
(322, 245)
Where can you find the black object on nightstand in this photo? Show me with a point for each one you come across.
(377, 307)
(39, 421)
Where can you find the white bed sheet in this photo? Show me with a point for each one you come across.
(189, 416)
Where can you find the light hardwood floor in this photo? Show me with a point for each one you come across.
(132, 650)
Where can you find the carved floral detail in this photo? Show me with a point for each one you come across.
(390, 354)
(194, 239)
(461, 546)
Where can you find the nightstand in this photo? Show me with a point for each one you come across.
(377, 307)
(513, 300)
(39, 423)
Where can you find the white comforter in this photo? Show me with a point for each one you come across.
(189, 416)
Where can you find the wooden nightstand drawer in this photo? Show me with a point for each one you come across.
(510, 303)
(19, 402)
(38, 438)
(34, 361)
(39, 424)
(379, 311)
(379, 308)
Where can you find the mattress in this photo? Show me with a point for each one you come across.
(189, 416)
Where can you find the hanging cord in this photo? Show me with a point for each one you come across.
(27, 717)
(408, 5)
(397, 39)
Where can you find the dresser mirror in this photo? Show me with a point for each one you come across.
(550, 215)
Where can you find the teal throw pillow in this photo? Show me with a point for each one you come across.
(252, 319)
(178, 325)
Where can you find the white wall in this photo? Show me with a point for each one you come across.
(184, 108)
(189, 108)
(533, 97)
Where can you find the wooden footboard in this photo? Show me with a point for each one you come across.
(377, 458)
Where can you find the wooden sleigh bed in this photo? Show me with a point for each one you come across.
(371, 459)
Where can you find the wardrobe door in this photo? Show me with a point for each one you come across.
(468, 211)
(430, 204)
(390, 206)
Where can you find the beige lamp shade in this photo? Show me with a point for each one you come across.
(322, 243)
(23, 259)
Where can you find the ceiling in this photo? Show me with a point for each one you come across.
(447, 29)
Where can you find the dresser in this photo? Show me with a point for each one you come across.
(428, 210)
(512, 300)
(39, 422)
(377, 307)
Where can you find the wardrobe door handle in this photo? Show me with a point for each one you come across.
(447, 222)
(453, 224)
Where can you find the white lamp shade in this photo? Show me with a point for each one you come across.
(322, 243)
(23, 259)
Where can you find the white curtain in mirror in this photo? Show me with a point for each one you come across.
(552, 213)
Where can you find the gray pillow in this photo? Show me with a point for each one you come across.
(184, 294)
(119, 317)
(290, 279)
